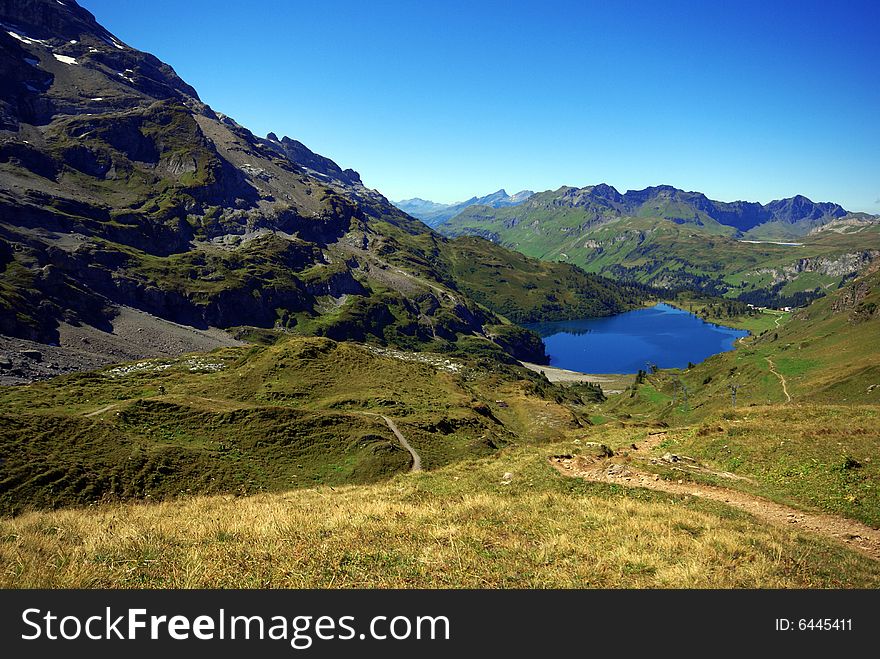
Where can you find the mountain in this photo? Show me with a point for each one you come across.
(797, 215)
(672, 238)
(313, 163)
(526, 290)
(129, 206)
(434, 214)
(421, 208)
(120, 186)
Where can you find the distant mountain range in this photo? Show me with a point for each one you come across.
(789, 218)
(669, 237)
(434, 214)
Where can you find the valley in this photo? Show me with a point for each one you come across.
(434, 214)
(486, 471)
(226, 362)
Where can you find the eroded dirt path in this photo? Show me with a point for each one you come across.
(417, 460)
(781, 378)
(106, 408)
(853, 534)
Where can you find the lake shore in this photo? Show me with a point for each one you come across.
(611, 383)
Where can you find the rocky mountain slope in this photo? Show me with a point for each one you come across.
(120, 188)
(434, 214)
(671, 238)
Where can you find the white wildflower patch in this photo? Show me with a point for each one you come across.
(440, 362)
(203, 365)
(139, 367)
(192, 364)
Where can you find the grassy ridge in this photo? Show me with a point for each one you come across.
(656, 248)
(812, 456)
(460, 526)
(808, 456)
(246, 420)
(526, 290)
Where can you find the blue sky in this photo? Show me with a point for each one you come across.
(443, 100)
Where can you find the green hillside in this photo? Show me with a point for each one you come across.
(828, 352)
(529, 290)
(669, 241)
(242, 420)
(366, 420)
(463, 525)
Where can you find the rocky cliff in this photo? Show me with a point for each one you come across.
(119, 186)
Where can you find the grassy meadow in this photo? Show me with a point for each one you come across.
(463, 525)
(268, 466)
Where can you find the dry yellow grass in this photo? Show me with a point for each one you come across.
(460, 526)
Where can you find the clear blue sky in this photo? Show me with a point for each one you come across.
(443, 100)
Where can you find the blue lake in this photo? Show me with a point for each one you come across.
(661, 335)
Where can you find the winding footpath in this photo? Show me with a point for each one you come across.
(416, 458)
(781, 378)
(106, 408)
(772, 366)
(852, 533)
(417, 461)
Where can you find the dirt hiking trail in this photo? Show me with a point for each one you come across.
(416, 458)
(781, 378)
(853, 534)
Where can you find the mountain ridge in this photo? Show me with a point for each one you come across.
(671, 238)
(434, 213)
(121, 188)
(741, 215)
